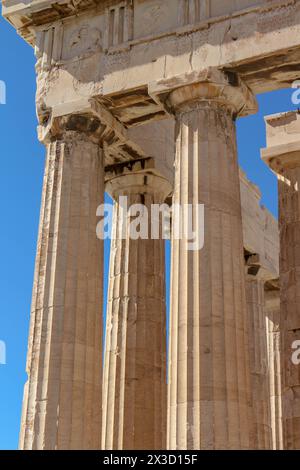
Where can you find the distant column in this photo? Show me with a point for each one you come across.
(283, 156)
(135, 387)
(261, 438)
(272, 311)
(62, 399)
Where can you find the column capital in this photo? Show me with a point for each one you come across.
(283, 142)
(257, 268)
(90, 118)
(64, 127)
(212, 86)
(272, 295)
(136, 183)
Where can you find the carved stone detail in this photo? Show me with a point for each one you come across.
(118, 24)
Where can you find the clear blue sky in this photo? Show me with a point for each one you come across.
(22, 162)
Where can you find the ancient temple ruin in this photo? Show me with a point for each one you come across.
(139, 98)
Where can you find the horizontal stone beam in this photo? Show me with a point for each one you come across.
(258, 39)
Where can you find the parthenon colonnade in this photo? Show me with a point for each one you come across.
(140, 98)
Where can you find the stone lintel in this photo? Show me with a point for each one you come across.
(255, 39)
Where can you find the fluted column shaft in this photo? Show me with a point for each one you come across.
(274, 337)
(62, 399)
(135, 390)
(261, 438)
(289, 225)
(209, 397)
(282, 155)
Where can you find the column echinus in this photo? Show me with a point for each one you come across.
(209, 396)
(62, 397)
(135, 380)
(283, 157)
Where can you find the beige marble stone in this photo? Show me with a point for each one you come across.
(135, 378)
(283, 156)
(113, 70)
(261, 436)
(260, 230)
(112, 49)
(209, 381)
(274, 339)
(62, 399)
(261, 247)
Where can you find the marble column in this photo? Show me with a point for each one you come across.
(273, 317)
(209, 380)
(289, 222)
(135, 390)
(261, 436)
(283, 156)
(62, 398)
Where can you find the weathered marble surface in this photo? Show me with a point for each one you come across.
(113, 49)
(283, 156)
(121, 73)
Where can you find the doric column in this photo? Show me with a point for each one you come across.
(135, 390)
(209, 393)
(273, 317)
(62, 399)
(283, 156)
(261, 438)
